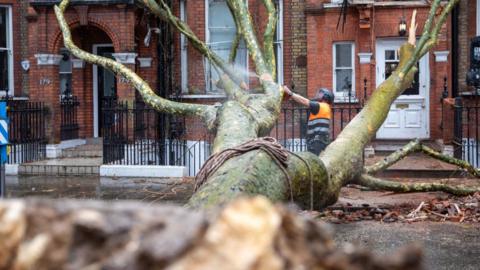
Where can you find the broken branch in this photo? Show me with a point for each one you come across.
(381, 184)
(416, 146)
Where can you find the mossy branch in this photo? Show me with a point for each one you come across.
(235, 45)
(386, 185)
(431, 30)
(268, 35)
(417, 146)
(242, 15)
(393, 158)
(208, 113)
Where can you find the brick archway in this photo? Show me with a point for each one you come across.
(57, 43)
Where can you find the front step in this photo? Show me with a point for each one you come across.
(417, 165)
(390, 146)
(86, 150)
(62, 167)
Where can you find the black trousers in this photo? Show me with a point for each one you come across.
(318, 143)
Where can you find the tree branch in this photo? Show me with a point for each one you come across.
(208, 113)
(443, 17)
(162, 10)
(416, 146)
(233, 50)
(381, 184)
(451, 160)
(430, 36)
(241, 13)
(393, 158)
(233, 91)
(268, 35)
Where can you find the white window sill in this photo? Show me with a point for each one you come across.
(205, 96)
(418, 3)
(469, 93)
(339, 100)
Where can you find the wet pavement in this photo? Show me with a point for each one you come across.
(94, 187)
(446, 246)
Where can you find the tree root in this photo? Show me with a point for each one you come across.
(381, 184)
(417, 146)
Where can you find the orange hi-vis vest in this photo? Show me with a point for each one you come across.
(319, 123)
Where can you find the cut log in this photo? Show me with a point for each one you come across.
(247, 234)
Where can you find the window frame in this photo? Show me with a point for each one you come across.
(183, 51)
(340, 96)
(478, 18)
(60, 72)
(278, 43)
(9, 50)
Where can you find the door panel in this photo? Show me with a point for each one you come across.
(393, 119)
(105, 89)
(408, 116)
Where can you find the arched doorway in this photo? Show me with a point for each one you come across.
(100, 85)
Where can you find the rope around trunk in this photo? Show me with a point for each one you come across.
(267, 144)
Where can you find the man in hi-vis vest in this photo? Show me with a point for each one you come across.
(319, 118)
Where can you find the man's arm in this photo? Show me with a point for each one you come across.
(297, 98)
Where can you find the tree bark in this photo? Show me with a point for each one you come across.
(248, 234)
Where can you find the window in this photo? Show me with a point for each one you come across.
(343, 70)
(6, 54)
(183, 51)
(279, 41)
(392, 59)
(65, 73)
(220, 34)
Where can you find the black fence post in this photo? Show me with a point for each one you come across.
(458, 128)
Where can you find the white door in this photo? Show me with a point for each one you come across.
(408, 116)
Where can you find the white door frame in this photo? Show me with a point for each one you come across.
(478, 18)
(96, 115)
(424, 80)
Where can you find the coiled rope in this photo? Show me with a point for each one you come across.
(267, 144)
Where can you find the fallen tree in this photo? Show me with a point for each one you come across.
(242, 163)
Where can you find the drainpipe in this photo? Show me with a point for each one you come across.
(455, 75)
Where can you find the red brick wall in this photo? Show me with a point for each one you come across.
(120, 25)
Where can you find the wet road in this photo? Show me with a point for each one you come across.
(93, 187)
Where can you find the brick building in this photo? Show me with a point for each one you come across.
(311, 52)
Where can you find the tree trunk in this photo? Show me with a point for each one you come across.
(248, 234)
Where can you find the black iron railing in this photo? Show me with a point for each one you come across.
(69, 110)
(467, 130)
(135, 134)
(27, 134)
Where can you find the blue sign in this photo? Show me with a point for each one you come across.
(3, 132)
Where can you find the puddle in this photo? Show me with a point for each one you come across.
(94, 187)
